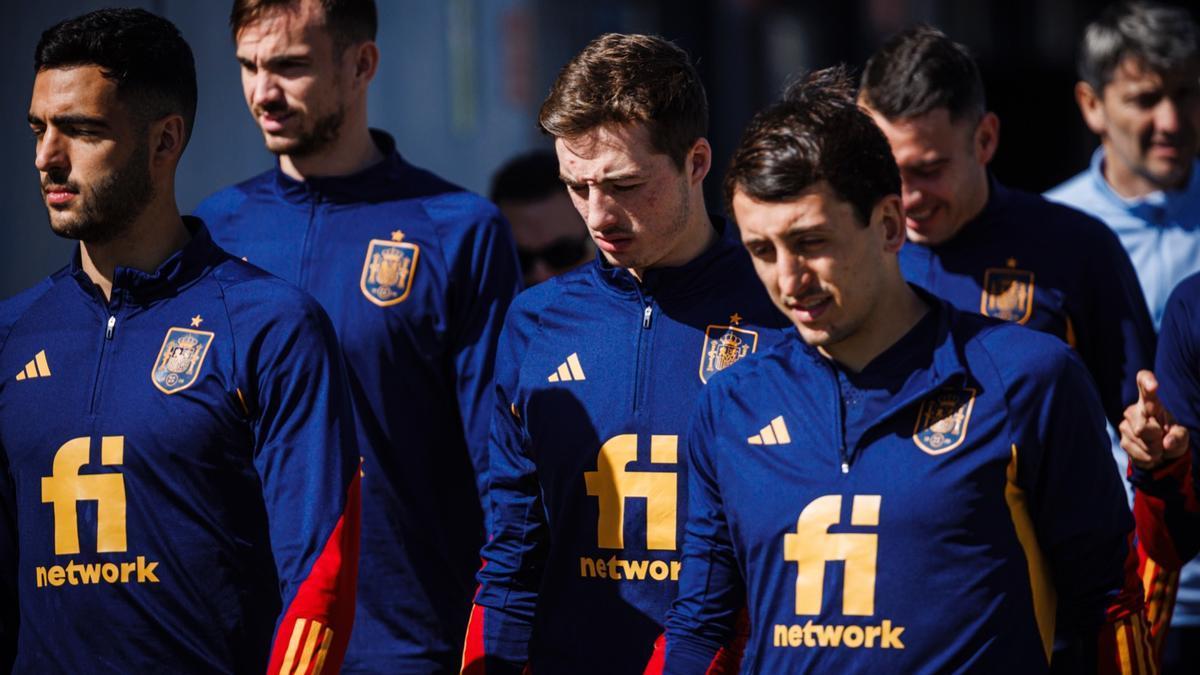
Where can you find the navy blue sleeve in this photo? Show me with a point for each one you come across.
(1066, 487)
(306, 456)
(711, 589)
(1119, 327)
(1177, 367)
(487, 277)
(514, 556)
(8, 567)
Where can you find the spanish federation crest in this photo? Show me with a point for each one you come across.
(388, 270)
(180, 359)
(942, 420)
(1007, 293)
(725, 346)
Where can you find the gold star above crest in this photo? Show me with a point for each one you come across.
(735, 319)
(196, 321)
(397, 235)
(1011, 262)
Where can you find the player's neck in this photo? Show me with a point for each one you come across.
(697, 236)
(896, 312)
(353, 151)
(154, 236)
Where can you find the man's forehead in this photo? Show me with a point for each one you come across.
(921, 138)
(291, 27)
(78, 90)
(605, 150)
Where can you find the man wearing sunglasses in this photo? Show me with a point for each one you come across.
(551, 238)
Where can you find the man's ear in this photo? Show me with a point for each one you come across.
(889, 215)
(365, 57)
(698, 161)
(168, 136)
(987, 137)
(1091, 106)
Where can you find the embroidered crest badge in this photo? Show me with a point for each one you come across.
(942, 420)
(1007, 293)
(180, 359)
(725, 346)
(388, 271)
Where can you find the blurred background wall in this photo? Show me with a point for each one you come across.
(461, 80)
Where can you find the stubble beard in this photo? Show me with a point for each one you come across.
(325, 131)
(109, 207)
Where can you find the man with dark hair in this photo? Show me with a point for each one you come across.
(900, 486)
(551, 238)
(178, 470)
(598, 367)
(417, 274)
(1139, 91)
(988, 248)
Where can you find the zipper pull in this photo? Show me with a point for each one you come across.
(845, 467)
(112, 323)
(646, 316)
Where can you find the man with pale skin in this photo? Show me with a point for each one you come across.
(595, 371)
(892, 438)
(417, 274)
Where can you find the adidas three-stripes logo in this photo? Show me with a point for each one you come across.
(569, 371)
(775, 433)
(38, 367)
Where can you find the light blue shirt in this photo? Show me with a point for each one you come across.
(1161, 232)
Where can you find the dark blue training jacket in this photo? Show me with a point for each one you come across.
(925, 515)
(416, 275)
(178, 472)
(596, 379)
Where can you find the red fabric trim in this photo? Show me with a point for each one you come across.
(327, 594)
(474, 651)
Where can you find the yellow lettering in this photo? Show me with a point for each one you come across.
(64, 488)
(41, 576)
(145, 573)
(811, 546)
(853, 637)
(601, 571)
(810, 634)
(829, 636)
(675, 567)
(636, 569)
(127, 568)
(891, 636)
(659, 570)
(587, 567)
(873, 632)
(56, 575)
(795, 636)
(614, 569)
(111, 572)
(613, 483)
(781, 633)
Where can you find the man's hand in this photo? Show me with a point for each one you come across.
(1149, 435)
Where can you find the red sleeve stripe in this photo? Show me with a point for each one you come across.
(473, 647)
(324, 602)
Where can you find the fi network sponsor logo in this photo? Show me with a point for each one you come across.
(812, 547)
(63, 489)
(615, 485)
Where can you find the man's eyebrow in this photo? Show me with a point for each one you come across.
(71, 120)
(607, 179)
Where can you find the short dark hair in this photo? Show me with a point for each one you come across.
(348, 21)
(816, 132)
(1160, 36)
(625, 79)
(144, 54)
(529, 177)
(919, 70)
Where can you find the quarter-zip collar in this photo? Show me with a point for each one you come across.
(928, 353)
(695, 276)
(374, 183)
(1155, 208)
(133, 286)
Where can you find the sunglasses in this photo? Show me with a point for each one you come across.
(559, 255)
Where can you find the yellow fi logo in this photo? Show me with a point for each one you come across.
(812, 546)
(65, 487)
(613, 483)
